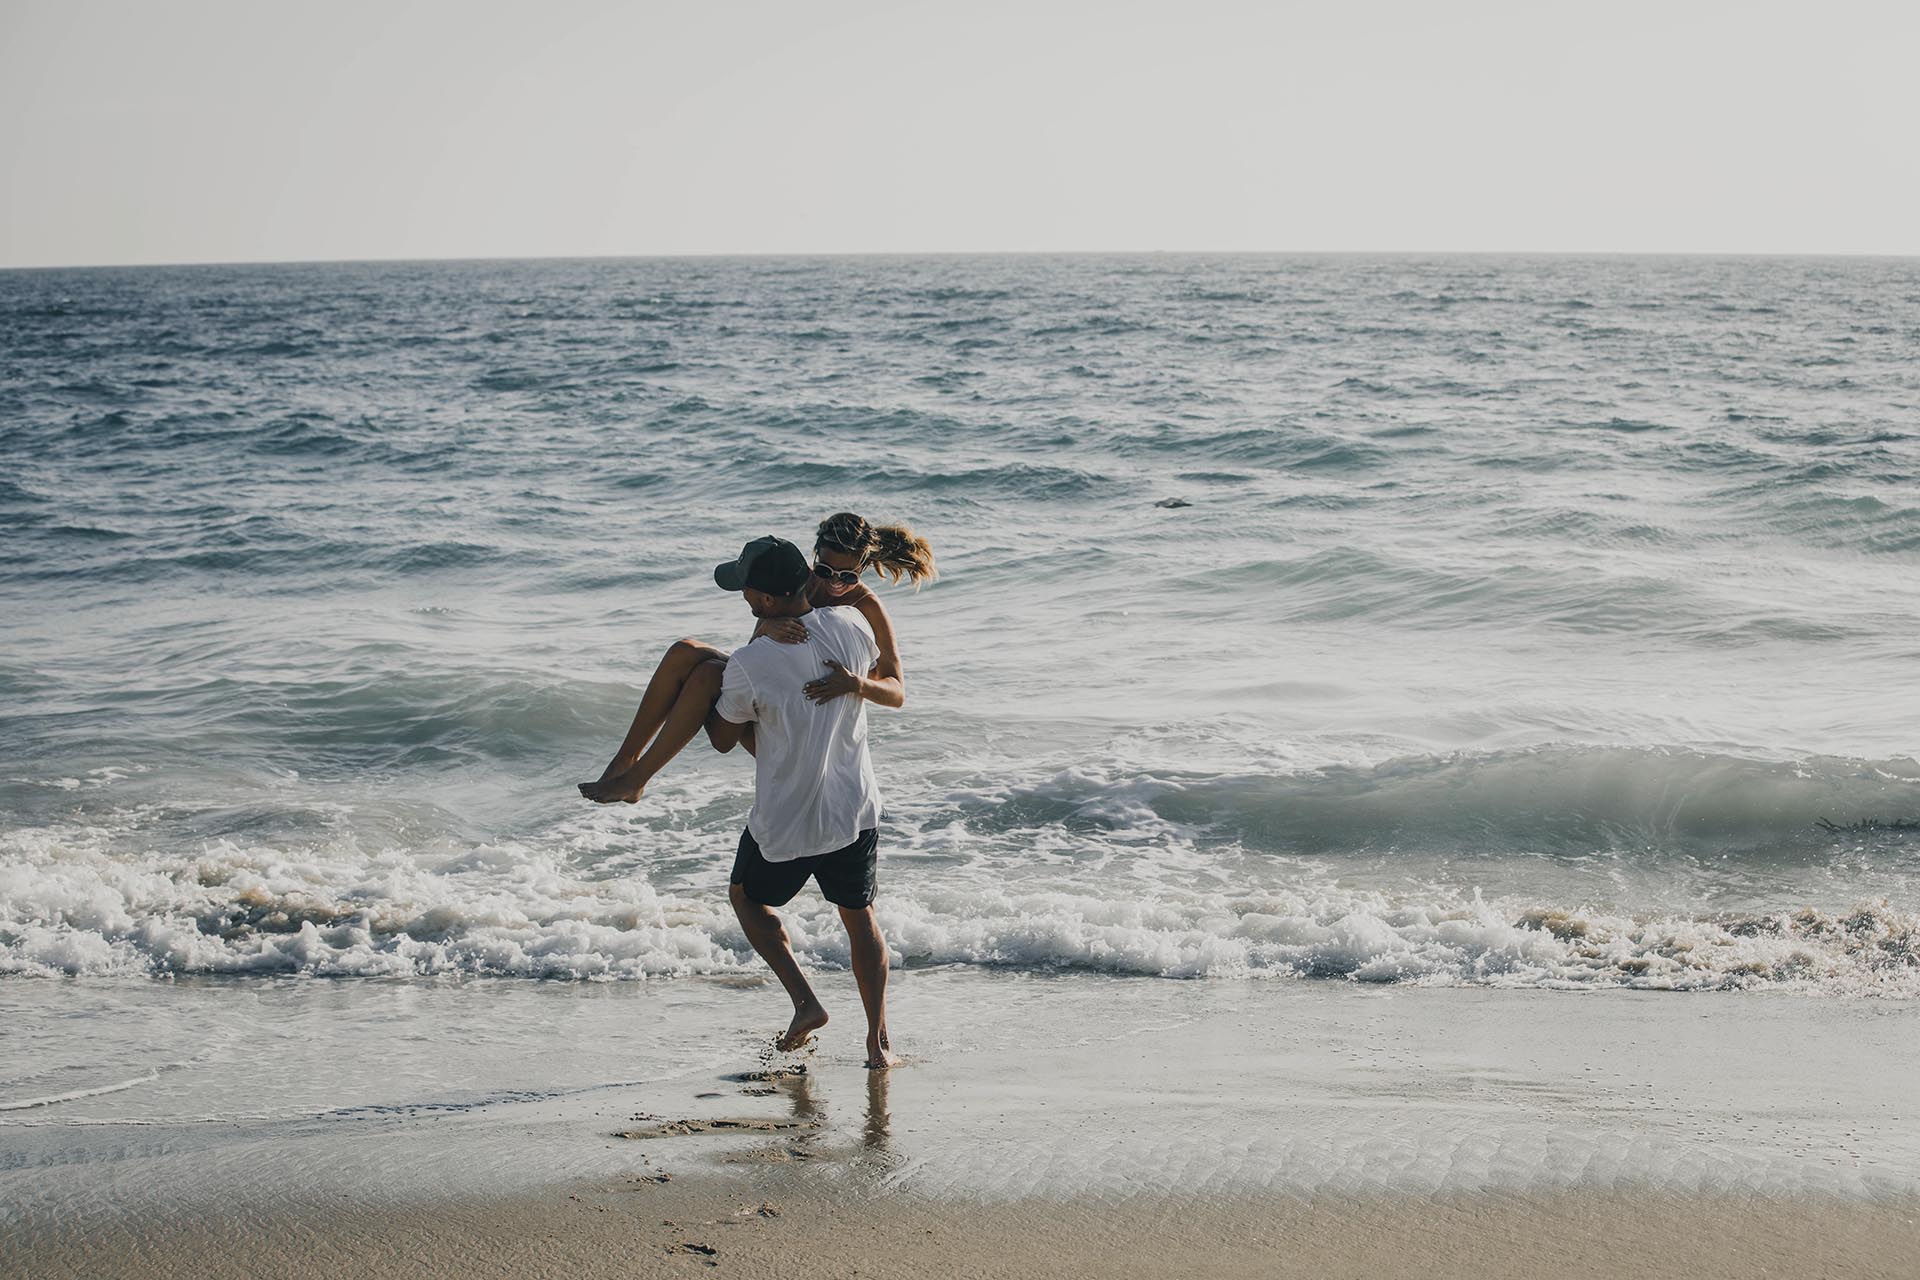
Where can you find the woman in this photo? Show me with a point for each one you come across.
(686, 684)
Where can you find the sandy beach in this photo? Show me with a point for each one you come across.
(781, 1224)
(1068, 1125)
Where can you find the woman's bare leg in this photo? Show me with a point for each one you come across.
(686, 717)
(662, 692)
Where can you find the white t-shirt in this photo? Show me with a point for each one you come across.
(813, 785)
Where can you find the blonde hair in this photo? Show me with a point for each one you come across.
(894, 550)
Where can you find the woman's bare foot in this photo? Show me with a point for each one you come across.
(621, 788)
(880, 1053)
(807, 1019)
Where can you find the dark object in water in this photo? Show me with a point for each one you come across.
(1868, 824)
(1173, 502)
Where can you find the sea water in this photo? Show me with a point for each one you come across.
(1514, 622)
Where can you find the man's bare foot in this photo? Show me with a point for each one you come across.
(807, 1019)
(621, 788)
(880, 1053)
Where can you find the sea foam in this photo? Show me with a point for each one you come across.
(72, 908)
(1412, 619)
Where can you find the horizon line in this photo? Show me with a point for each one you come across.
(962, 253)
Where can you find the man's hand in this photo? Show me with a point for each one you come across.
(833, 685)
(783, 630)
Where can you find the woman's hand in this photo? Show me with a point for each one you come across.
(783, 630)
(828, 687)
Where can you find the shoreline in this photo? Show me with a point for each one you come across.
(1101, 1126)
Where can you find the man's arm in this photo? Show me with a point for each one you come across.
(733, 710)
(723, 733)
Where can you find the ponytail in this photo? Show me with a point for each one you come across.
(894, 550)
(899, 555)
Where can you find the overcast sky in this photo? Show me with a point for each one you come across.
(244, 130)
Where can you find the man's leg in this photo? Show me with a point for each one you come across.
(870, 971)
(769, 938)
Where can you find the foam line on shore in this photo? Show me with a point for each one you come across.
(523, 911)
(75, 1095)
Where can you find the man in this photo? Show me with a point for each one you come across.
(815, 804)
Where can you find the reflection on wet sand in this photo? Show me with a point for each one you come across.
(878, 1136)
(805, 1133)
(810, 1114)
(800, 1097)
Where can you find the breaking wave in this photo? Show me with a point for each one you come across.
(1124, 874)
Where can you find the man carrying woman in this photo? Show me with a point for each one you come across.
(816, 805)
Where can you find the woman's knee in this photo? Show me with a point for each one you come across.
(687, 650)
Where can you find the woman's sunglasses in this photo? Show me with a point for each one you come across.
(845, 577)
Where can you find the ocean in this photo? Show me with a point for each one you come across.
(1530, 622)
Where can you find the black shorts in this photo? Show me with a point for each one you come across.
(846, 875)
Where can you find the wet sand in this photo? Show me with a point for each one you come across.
(1073, 1126)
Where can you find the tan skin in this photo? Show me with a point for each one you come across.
(886, 684)
(762, 925)
(679, 702)
(686, 684)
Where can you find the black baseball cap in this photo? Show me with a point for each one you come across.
(768, 564)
